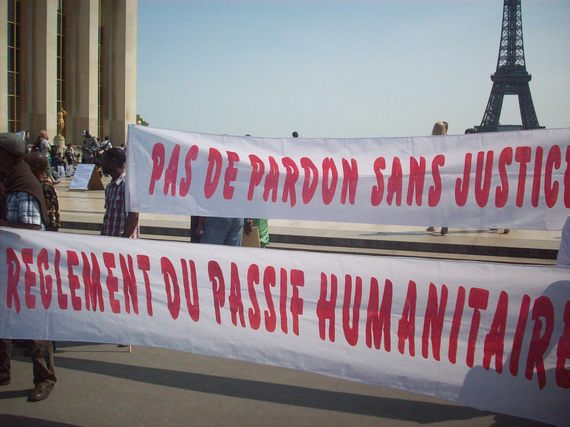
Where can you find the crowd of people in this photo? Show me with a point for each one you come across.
(29, 200)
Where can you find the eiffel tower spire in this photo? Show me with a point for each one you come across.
(511, 77)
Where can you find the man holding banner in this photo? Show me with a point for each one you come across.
(117, 220)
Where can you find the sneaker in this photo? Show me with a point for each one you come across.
(40, 392)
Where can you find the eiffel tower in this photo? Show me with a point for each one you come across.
(511, 77)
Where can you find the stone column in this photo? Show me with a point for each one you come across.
(82, 69)
(38, 77)
(120, 67)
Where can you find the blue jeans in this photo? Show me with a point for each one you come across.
(222, 231)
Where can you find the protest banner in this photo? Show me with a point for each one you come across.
(491, 336)
(506, 179)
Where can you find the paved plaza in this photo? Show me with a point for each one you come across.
(104, 385)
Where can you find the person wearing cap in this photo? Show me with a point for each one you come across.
(24, 207)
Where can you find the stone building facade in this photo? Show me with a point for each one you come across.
(77, 56)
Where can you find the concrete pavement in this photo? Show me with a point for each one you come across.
(103, 385)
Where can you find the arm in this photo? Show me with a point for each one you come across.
(131, 224)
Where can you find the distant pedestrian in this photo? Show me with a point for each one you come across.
(24, 207)
(439, 128)
(117, 221)
(43, 146)
(38, 165)
(563, 259)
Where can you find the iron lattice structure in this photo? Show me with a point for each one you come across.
(511, 76)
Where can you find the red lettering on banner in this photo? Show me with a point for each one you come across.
(186, 181)
(297, 281)
(254, 313)
(351, 331)
(434, 317)
(394, 186)
(553, 161)
(74, 285)
(456, 324)
(495, 339)
(213, 172)
(257, 171)
(236, 303)
(502, 191)
(522, 157)
(535, 194)
(61, 296)
(377, 193)
(12, 296)
(519, 335)
(171, 174)
(326, 307)
(269, 281)
(311, 179)
(407, 323)
(330, 180)
(434, 192)
(271, 184)
(29, 278)
(46, 282)
(283, 300)
(462, 185)
(129, 283)
(218, 288)
(483, 177)
(563, 352)
(291, 178)
(417, 180)
(143, 264)
(349, 181)
(230, 175)
(92, 283)
(539, 341)
(112, 281)
(379, 315)
(567, 179)
(192, 301)
(171, 286)
(158, 162)
(478, 300)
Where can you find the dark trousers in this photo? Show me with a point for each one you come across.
(42, 360)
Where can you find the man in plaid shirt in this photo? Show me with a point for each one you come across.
(117, 221)
(24, 206)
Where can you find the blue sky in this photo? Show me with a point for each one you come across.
(332, 68)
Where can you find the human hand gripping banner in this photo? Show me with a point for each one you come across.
(505, 179)
(491, 336)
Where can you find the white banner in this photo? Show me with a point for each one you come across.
(507, 179)
(496, 337)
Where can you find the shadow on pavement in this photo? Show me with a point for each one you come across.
(17, 421)
(421, 412)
